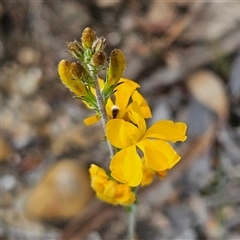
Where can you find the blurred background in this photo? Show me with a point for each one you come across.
(186, 57)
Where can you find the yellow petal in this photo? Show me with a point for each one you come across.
(148, 174)
(121, 98)
(98, 177)
(124, 195)
(96, 170)
(168, 130)
(91, 120)
(108, 190)
(116, 193)
(102, 196)
(109, 104)
(121, 134)
(158, 154)
(137, 118)
(124, 92)
(126, 166)
(142, 103)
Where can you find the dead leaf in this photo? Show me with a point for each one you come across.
(209, 90)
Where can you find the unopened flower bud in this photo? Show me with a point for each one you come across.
(75, 49)
(99, 59)
(116, 67)
(65, 72)
(78, 71)
(88, 37)
(99, 44)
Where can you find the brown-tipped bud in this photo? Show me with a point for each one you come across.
(78, 71)
(65, 73)
(75, 49)
(88, 37)
(99, 59)
(116, 67)
(99, 44)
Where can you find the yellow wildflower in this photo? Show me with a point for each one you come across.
(126, 165)
(120, 107)
(125, 92)
(109, 190)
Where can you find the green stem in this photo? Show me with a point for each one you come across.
(102, 111)
(132, 222)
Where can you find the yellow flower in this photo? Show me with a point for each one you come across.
(125, 92)
(149, 174)
(109, 190)
(120, 107)
(126, 165)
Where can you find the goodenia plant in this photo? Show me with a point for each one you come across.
(137, 154)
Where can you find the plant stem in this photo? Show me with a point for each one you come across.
(132, 222)
(104, 119)
(102, 111)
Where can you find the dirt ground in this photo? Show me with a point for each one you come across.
(186, 57)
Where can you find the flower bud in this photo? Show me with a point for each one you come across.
(88, 37)
(65, 72)
(99, 59)
(78, 71)
(116, 67)
(75, 49)
(98, 44)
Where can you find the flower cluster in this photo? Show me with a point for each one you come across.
(126, 165)
(108, 189)
(140, 153)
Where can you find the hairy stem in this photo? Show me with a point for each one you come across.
(103, 113)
